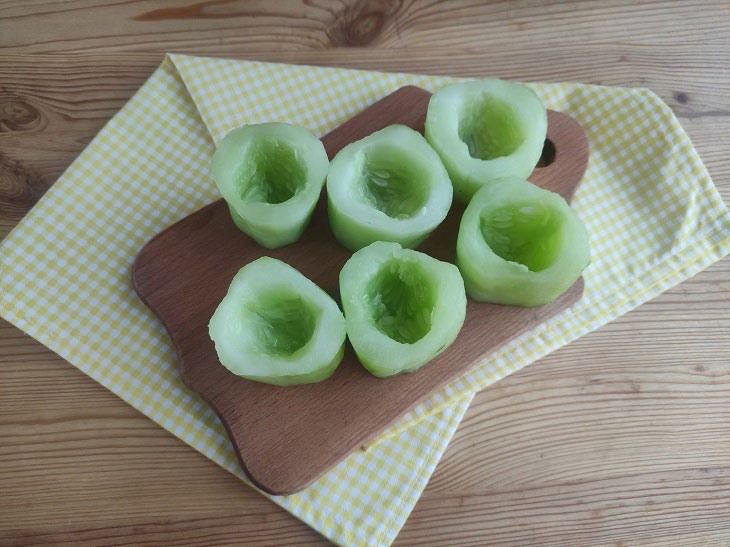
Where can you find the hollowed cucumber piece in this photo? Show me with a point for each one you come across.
(276, 326)
(389, 186)
(520, 244)
(484, 130)
(271, 175)
(402, 307)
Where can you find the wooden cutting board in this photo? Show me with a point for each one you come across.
(287, 437)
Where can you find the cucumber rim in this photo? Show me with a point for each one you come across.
(236, 332)
(379, 352)
(490, 277)
(355, 218)
(272, 224)
(453, 105)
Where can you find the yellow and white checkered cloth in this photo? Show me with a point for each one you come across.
(654, 216)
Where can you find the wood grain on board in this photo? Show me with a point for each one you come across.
(287, 437)
(620, 437)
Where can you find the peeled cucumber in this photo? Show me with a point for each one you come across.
(485, 129)
(402, 307)
(271, 176)
(519, 244)
(276, 326)
(389, 186)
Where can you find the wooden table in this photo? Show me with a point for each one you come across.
(622, 437)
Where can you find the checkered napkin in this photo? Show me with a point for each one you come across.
(653, 214)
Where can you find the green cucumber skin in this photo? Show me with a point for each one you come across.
(319, 375)
(469, 174)
(355, 238)
(271, 238)
(381, 355)
(489, 278)
(271, 224)
(504, 291)
(374, 367)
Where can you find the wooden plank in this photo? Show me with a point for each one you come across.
(216, 25)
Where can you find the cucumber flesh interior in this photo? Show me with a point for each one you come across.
(271, 172)
(281, 321)
(402, 307)
(401, 301)
(489, 128)
(276, 326)
(391, 185)
(526, 233)
(520, 244)
(484, 130)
